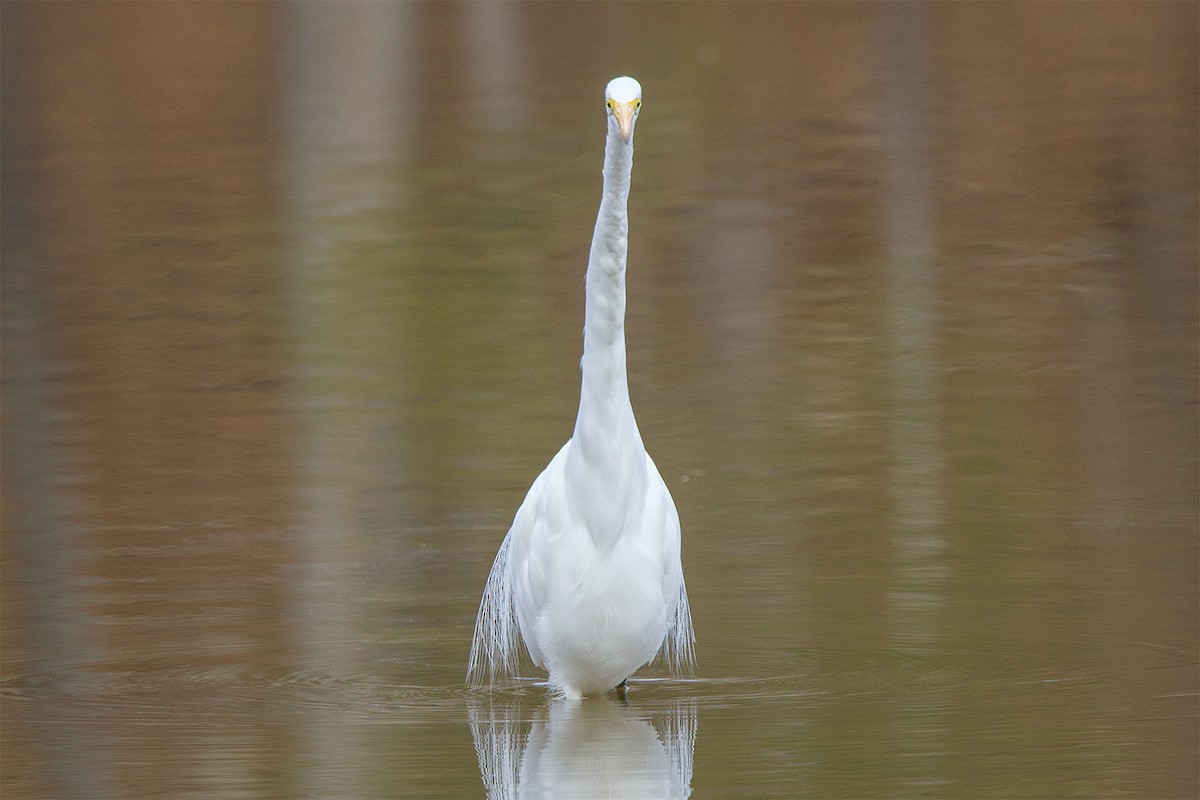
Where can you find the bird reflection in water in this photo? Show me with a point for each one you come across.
(592, 748)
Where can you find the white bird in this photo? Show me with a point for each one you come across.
(589, 573)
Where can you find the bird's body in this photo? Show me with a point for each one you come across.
(589, 575)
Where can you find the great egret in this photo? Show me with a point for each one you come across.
(589, 573)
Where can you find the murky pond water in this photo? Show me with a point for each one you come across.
(292, 296)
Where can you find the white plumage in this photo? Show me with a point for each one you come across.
(589, 575)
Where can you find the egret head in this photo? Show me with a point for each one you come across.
(624, 99)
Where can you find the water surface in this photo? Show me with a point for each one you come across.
(292, 296)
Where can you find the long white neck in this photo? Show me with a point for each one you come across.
(606, 444)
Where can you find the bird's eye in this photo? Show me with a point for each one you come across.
(609, 103)
(637, 103)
